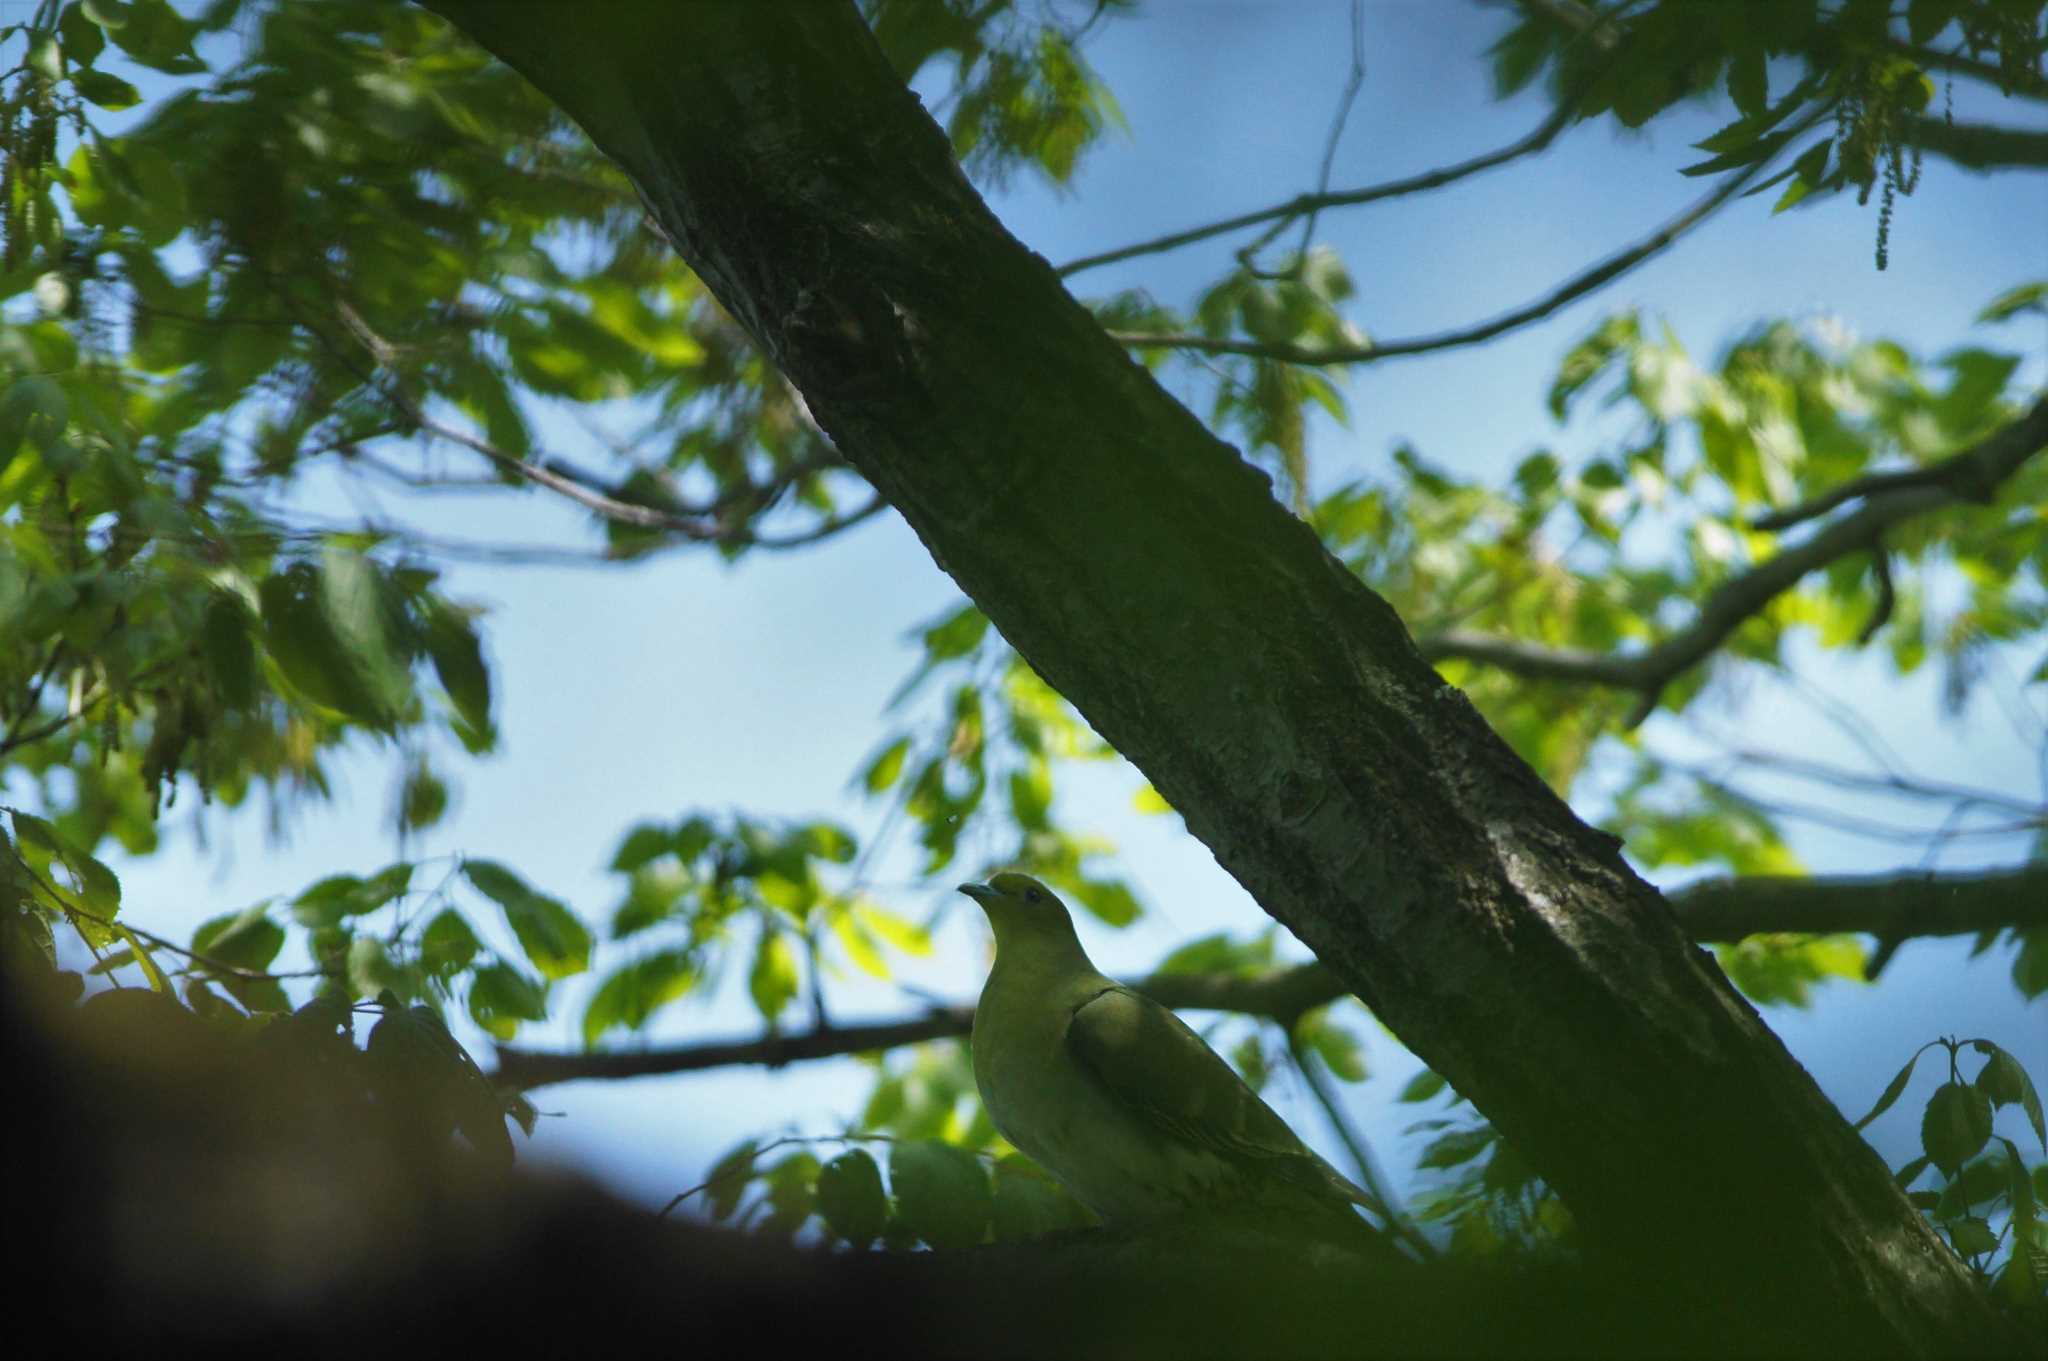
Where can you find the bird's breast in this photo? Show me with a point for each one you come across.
(1053, 1109)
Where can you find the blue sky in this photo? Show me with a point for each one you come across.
(682, 683)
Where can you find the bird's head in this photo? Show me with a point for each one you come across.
(1019, 907)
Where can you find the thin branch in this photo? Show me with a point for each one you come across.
(1346, 101)
(1904, 786)
(217, 966)
(1572, 289)
(1909, 904)
(1303, 204)
(682, 523)
(1387, 1207)
(824, 529)
(27, 736)
(1973, 476)
(1877, 829)
(1870, 484)
(527, 1068)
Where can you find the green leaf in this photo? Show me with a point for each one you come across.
(448, 945)
(107, 91)
(553, 939)
(1972, 1237)
(299, 635)
(99, 891)
(792, 1194)
(887, 768)
(153, 34)
(83, 41)
(229, 652)
(352, 596)
(1762, 148)
(1338, 1048)
(827, 841)
(645, 842)
(1807, 173)
(1220, 953)
(635, 990)
(958, 634)
(903, 934)
(1955, 1126)
(851, 1199)
(858, 942)
(500, 997)
(1422, 1086)
(370, 968)
(1893, 1089)
(2004, 1083)
(1150, 801)
(142, 957)
(1747, 81)
(2031, 297)
(726, 1183)
(246, 940)
(495, 882)
(458, 659)
(1031, 795)
(1458, 1146)
(942, 1192)
(2030, 962)
(106, 13)
(772, 982)
(97, 885)
(415, 1058)
(1110, 900)
(556, 943)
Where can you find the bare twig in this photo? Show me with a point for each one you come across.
(1354, 81)
(1303, 204)
(688, 522)
(1586, 281)
(1903, 786)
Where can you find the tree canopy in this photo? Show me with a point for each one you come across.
(266, 262)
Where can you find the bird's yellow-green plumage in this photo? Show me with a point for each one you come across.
(1111, 1092)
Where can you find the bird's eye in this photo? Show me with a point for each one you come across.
(1032, 895)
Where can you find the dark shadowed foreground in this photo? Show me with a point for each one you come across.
(231, 1192)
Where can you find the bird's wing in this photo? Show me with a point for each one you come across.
(1151, 1062)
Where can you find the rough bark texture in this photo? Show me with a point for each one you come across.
(1146, 571)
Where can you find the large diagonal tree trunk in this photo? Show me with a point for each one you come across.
(1146, 570)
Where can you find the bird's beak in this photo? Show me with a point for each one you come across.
(981, 893)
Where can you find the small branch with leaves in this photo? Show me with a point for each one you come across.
(1970, 477)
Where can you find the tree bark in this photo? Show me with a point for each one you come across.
(1145, 570)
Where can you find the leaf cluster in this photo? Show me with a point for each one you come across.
(1989, 1205)
(1863, 62)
